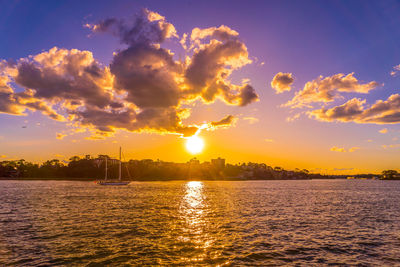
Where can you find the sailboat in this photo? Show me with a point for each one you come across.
(114, 182)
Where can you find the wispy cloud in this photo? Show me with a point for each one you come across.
(391, 146)
(383, 131)
(343, 150)
(60, 136)
(251, 120)
(395, 70)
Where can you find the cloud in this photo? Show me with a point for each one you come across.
(147, 27)
(251, 120)
(144, 88)
(60, 136)
(354, 110)
(324, 90)
(268, 140)
(17, 103)
(391, 146)
(354, 148)
(3, 156)
(224, 122)
(340, 149)
(383, 131)
(213, 62)
(282, 82)
(294, 117)
(395, 70)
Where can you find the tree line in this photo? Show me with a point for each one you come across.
(88, 168)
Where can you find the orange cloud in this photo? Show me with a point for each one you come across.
(340, 149)
(282, 82)
(143, 89)
(382, 112)
(223, 123)
(383, 131)
(391, 146)
(395, 70)
(60, 136)
(352, 149)
(323, 90)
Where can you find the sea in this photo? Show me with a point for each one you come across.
(200, 223)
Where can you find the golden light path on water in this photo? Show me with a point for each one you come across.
(210, 223)
(194, 210)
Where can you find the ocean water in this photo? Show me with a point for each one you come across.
(253, 223)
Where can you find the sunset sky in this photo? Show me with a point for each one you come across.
(295, 84)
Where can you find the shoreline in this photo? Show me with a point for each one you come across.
(165, 180)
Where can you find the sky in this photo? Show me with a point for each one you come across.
(295, 84)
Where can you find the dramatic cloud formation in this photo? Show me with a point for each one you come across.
(282, 82)
(143, 89)
(323, 90)
(340, 149)
(382, 112)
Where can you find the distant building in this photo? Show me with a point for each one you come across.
(194, 161)
(218, 163)
(206, 164)
(147, 162)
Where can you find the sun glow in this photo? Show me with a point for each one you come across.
(194, 144)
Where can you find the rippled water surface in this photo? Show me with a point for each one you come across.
(200, 223)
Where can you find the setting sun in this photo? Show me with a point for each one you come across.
(194, 144)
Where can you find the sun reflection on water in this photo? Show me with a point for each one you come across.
(193, 211)
(192, 207)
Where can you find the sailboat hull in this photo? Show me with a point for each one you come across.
(112, 183)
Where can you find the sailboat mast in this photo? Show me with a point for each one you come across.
(119, 176)
(105, 177)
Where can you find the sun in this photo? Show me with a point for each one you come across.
(194, 144)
